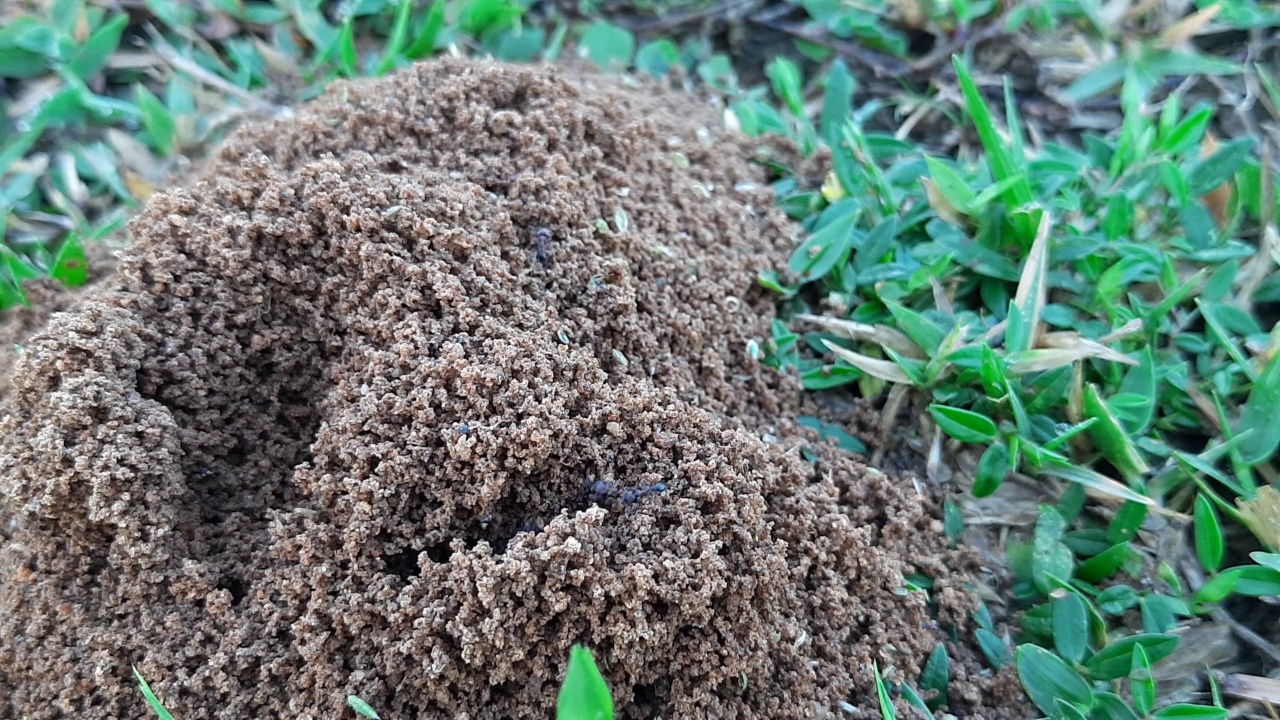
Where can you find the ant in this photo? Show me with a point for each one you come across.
(542, 244)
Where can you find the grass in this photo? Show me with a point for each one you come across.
(1091, 313)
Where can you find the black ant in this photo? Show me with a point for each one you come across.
(542, 244)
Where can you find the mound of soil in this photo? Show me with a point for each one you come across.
(410, 393)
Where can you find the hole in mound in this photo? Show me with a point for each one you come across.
(233, 585)
(439, 553)
(404, 564)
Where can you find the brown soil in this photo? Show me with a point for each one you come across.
(346, 422)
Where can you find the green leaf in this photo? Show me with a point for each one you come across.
(157, 119)
(1248, 580)
(1183, 711)
(1109, 706)
(1221, 166)
(1104, 564)
(151, 698)
(1117, 599)
(1047, 678)
(1259, 416)
(936, 676)
(921, 330)
(1070, 626)
(1115, 660)
(1003, 165)
(607, 45)
(788, 85)
(397, 40)
(71, 266)
(951, 184)
(887, 710)
(1051, 560)
(1095, 82)
(658, 57)
(817, 255)
(995, 649)
(424, 42)
(953, 521)
(1111, 438)
(993, 467)
(93, 55)
(1189, 131)
(584, 694)
(1210, 543)
(877, 242)
(361, 707)
(964, 425)
(837, 101)
(1142, 682)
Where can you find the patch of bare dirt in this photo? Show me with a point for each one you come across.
(379, 407)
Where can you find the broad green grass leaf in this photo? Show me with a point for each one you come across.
(995, 649)
(936, 676)
(1115, 660)
(1111, 438)
(361, 707)
(1183, 711)
(787, 82)
(157, 120)
(1210, 542)
(607, 45)
(1109, 706)
(657, 58)
(1128, 518)
(398, 38)
(71, 266)
(1070, 626)
(1095, 82)
(1220, 166)
(424, 41)
(1161, 62)
(1188, 133)
(1003, 164)
(584, 694)
(1265, 559)
(951, 185)
(1247, 580)
(150, 696)
(921, 330)
(1260, 414)
(1142, 683)
(837, 102)
(964, 425)
(1104, 564)
(993, 467)
(879, 241)
(93, 55)
(1047, 678)
(817, 255)
(1117, 599)
(1051, 560)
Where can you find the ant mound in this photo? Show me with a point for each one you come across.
(410, 393)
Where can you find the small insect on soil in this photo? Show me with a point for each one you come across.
(542, 244)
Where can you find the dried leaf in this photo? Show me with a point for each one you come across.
(1262, 515)
(1189, 27)
(941, 205)
(1067, 339)
(882, 335)
(1217, 200)
(883, 369)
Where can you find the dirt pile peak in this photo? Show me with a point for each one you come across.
(412, 392)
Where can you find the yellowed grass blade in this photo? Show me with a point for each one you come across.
(883, 369)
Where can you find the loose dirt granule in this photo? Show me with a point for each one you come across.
(410, 393)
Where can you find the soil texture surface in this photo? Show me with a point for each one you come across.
(404, 396)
